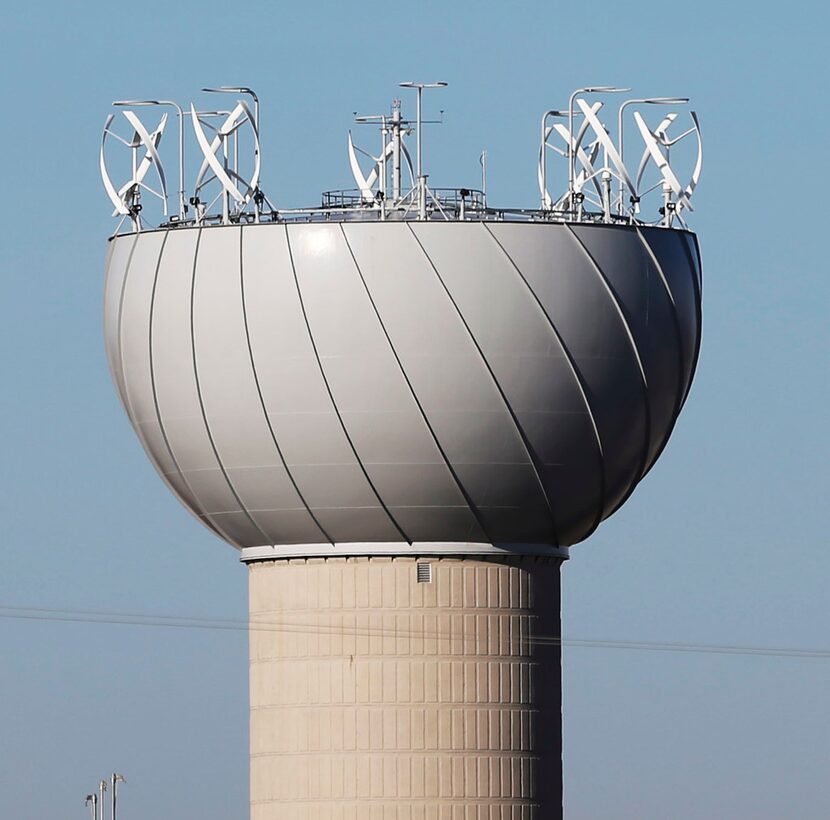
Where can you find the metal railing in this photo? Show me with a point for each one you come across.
(457, 198)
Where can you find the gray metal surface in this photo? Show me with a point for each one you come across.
(407, 383)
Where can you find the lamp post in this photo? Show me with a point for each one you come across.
(621, 136)
(180, 113)
(114, 781)
(92, 800)
(102, 787)
(599, 89)
(421, 178)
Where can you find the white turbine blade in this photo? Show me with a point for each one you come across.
(210, 156)
(409, 165)
(585, 160)
(232, 121)
(362, 183)
(543, 191)
(660, 161)
(661, 129)
(150, 145)
(253, 183)
(147, 160)
(117, 201)
(690, 188)
(203, 168)
(580, 134)
(604, 139)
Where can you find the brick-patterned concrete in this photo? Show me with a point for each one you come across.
(375, 697)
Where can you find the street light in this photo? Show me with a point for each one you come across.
(599, 89)
(115, 780)
(641, 101)
(92, 799)
(180, 112)
(102, 787)
(238, 89)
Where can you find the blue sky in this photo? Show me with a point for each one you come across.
(725, 542)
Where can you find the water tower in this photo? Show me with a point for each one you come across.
(402, 407)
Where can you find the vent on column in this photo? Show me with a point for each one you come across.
(424, 572)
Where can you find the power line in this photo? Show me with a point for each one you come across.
(259, 625)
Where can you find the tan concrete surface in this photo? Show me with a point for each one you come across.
(375, 697)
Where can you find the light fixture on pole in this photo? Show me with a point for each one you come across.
(114, 781)
(238, 89)
(92, 800)
(102, 787)
(597, 89)
(180, 113)
(620, 134)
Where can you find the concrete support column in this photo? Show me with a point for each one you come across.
(381, 692)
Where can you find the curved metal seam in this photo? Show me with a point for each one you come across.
(698, 287)
(203, 517)
(119, 352)
(643, 380)
(534, 462)
(331, 395)
(125, 396)
(678, 402)
(221, 466)
(261, 398)
(578, 377)
(120, 383)
(465, 495)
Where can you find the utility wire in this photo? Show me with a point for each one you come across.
(258, 624)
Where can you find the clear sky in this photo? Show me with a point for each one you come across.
(725, 542)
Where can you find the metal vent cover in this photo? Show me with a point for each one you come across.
(424, 573)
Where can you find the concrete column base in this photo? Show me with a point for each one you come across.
(379, 696)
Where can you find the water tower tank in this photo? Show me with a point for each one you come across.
(402, 408)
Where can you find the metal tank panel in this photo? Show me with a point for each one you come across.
(403, 383)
